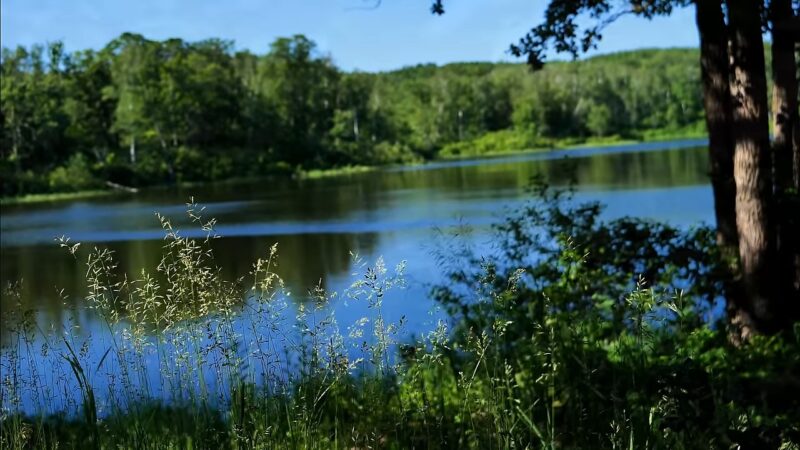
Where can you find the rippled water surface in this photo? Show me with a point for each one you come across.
(398, 213)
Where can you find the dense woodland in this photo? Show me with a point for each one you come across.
(144, 112)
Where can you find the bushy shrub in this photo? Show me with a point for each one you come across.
(190, 164)
(495, 142)
(152, 167)
(383, 152)
(27, 182)
(75, 175)
(613, 332)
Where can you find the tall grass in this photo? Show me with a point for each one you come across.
(188, 359)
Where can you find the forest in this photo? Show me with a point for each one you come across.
(141, 112)
(636, 297)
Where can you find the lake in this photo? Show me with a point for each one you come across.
(399, 213)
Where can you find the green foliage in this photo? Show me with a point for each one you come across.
(495, 142)
(75, 175)
(611, 258)
(576, 333)
(153, 112)
(599, 119)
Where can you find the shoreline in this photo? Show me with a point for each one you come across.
(314, 174)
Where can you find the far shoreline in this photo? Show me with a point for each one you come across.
(313, 174)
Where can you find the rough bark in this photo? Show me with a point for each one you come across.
(714, 64)
(785, 121)
(796, 144)
(784, 94)
(760, 312)
(715, 75)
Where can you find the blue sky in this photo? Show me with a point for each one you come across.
(395, 34)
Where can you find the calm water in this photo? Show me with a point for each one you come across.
(398, 213)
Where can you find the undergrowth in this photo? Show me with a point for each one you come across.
(575, 333)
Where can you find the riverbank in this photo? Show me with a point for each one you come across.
(478, 146)
(55, 197)
(509, 142)
(554, 375)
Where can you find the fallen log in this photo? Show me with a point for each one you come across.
(120, 187)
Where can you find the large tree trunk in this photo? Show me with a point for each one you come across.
(784, 94)
(796, 144)
(714, 64)
(715, 73)
(785, 121)
(760, 312)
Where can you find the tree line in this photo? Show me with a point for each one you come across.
(140, 111)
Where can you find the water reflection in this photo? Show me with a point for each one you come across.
(305, 260)
(317, 223)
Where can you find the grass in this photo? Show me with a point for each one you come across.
(54, 197)
(298, 174)
(697, 130)
(569, 351)
(335, 172)
(507, 142)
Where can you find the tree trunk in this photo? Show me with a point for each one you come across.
(784, 94)
(796, 143)
(760, 311)
(715, 74)
(133, 150)
(785, 121)
(714, 64)
(355, 124)
(161, 139)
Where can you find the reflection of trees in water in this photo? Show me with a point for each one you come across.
(647, 169)
(42, 270)
(677, 167)
(304, 261)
